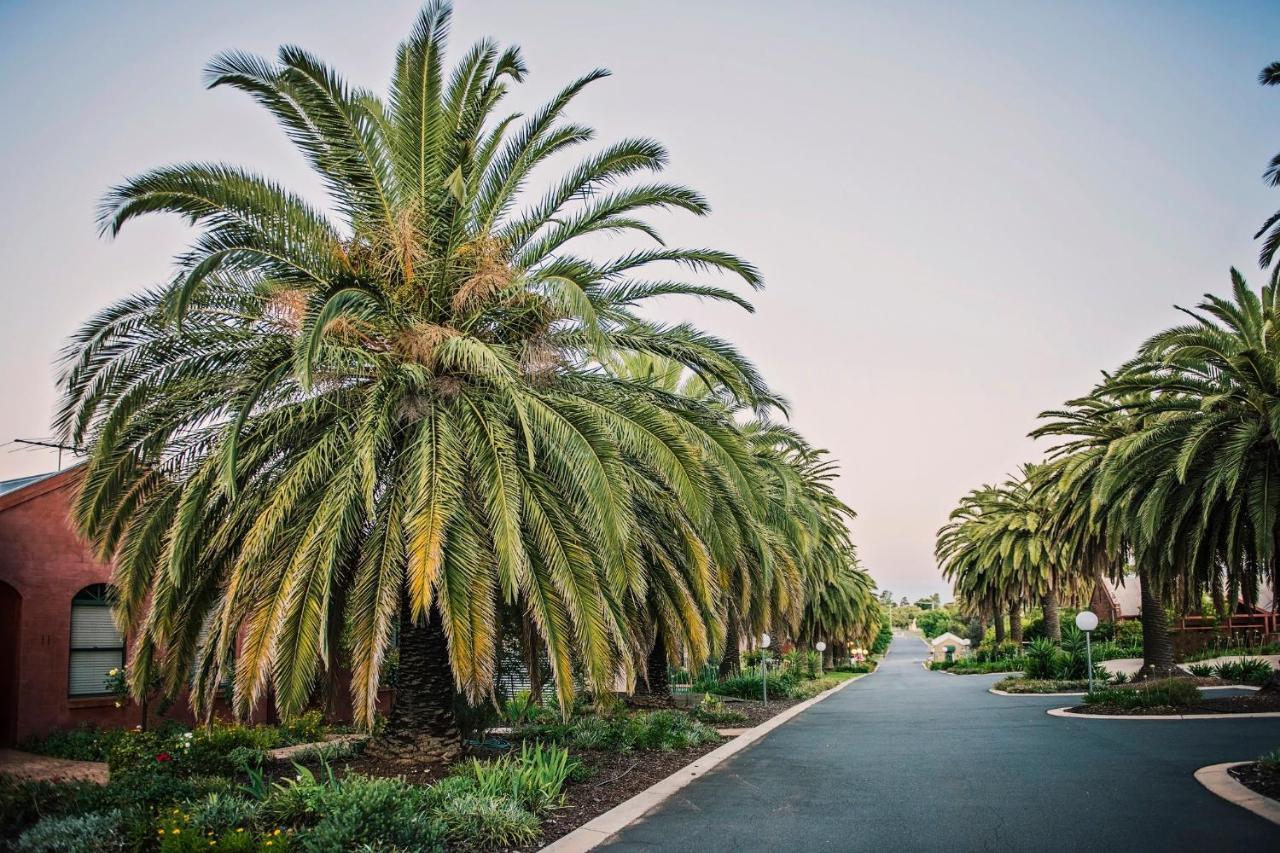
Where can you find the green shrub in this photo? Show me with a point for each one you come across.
(23, 802)
(1202, 670)
(1172, 692)
(1119, 678)
(712, 711)
(223, 813)
(84, 743)
(1253, 671)
(533, 777)
(748, 685)
(863, 667)
(474, 821)
(1042, 659)
(96, 832)
(809, 689)
(969, 666)
(1270, 761)
(661, 730)
(1015, 684)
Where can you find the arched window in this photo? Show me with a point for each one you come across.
(97, 646)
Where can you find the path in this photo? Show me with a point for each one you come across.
(42, 768)
(918, 761)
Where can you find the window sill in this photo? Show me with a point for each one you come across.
(80, 702)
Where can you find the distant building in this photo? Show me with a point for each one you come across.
(948, 647)
(1114, 602)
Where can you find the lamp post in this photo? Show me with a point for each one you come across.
(821, 647)
(765, 640)
(1086, 621)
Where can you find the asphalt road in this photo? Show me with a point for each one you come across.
(906, 759)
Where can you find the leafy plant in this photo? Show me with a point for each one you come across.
(97, 832)
(1042, 659)
(474, 821)
(1202, 670)
(1270, 761)
(712, 711)
(1171, 692)
(533, 778)
(1253, 671)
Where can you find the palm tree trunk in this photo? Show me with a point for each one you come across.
(532, 660)
(422, 725)
(656, 686)
(999, 624)
(1015, 621)
(1052, 619)
(731, 660)
(1157, 646)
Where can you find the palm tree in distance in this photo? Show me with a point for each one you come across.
(392, 411)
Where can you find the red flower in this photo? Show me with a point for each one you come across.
(164, 756)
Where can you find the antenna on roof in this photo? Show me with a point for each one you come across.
(50, 444)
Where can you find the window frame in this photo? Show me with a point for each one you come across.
(93, 595)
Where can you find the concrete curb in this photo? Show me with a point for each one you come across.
(1217, 687)
(1066, 712)
(1216, 778)
(601, 828)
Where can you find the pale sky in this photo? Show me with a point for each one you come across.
(963, 211)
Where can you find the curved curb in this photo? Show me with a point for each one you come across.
(1215, 687)
(1216, 778)
(603, 827)
(1066, 712)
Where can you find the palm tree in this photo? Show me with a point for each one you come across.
(1206, 459)
(392, 411)
(1270, 76)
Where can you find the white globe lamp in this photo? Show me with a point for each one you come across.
(820, 646)
(1086, 620)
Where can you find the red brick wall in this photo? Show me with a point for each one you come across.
(44, 561)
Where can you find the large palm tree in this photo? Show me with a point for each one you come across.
(1206, 459)
(391, 411)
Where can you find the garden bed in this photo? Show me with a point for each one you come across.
(1255, 703)
(1259, 777)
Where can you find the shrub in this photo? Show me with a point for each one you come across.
(1202, 670)
(84, 743)
(748, 685)
(1032, 685)
(662, 730)
(864, 667)
(974, 667)
(533, 777)
(809, 689)
(712, 711)
(1042, 659)
(1270, 761)
(96, 832)
(475, 821)
(1119, 678)
(1172, 692)
(1253, 671)
(223, 813)
(23, 802)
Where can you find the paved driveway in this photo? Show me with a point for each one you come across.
(918, 761)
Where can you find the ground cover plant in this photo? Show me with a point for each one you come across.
(1164, 693)
(1261, 776)
(1040, 685)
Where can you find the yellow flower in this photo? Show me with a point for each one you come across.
(212, 843)
(277, 832)
(114, 671)
(239, 829)
(177, 831)
(161, 831)
(268, 842)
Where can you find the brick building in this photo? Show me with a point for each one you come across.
(57, 638)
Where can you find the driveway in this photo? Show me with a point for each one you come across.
(912, 760)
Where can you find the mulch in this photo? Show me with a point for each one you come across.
(615, 777)
(1254, 703)
(1258, 779)
(612, 778)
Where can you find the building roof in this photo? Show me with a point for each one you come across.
(1127, 595)
(7, 486)
(950, 638)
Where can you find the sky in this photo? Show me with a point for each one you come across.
(963, 211)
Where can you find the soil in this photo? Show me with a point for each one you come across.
(1258, 779)
(614, 778)
(1254, 703)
